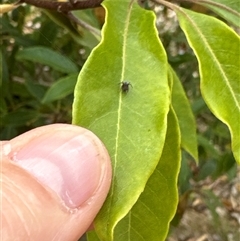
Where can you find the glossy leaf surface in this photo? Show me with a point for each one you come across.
(131, 124)
(217, 49)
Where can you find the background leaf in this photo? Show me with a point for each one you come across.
(48, 57)
(4, 75)
(4, 8)
(218, 57)
(60, 89)
(132, 125)
(185, 117)
(80, 35)
(18, 118)
(35, 89)
(228, 9)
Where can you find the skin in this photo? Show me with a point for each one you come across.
(33, 205)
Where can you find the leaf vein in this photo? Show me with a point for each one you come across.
(215, 60)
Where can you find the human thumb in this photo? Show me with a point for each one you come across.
(54, 180)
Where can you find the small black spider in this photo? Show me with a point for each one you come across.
(125, 86)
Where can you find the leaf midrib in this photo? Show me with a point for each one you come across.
(213, 57)
(221, 6)
(119, 111)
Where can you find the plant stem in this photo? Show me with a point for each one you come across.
(63, 6)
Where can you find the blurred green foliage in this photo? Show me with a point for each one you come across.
(37, 87)
(40, 62)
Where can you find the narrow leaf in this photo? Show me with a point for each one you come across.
(19, 118)
(228, 9)
(4, 71)
(150, 217)
(208, 147)
(48, 57)
(60, 89)
(63, 21)
(185, 117)
(217, 48)
(131, 124)
(84, 38)
(35, 89)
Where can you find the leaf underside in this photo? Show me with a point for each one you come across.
(132, 124)
(185, 117)
(150, 217)
(217, 49)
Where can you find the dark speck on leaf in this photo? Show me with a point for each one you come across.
(125, 86)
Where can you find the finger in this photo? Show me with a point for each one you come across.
(54, 181)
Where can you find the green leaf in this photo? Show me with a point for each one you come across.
(19, 118)
(4, 8)
(64, 22)
(131, 124)
(4, 76)
(150, 217)
(185, 175)
(7, 27)
(48, 57)
(82, 37)
(208, 147)
(228, 9)
(88, 16)
(3, 106)
(92, 236)
(185, 117)
(35, 89)
(198, 105)
(48, 33)
(91, 35)
(8, 133)
(217, 49)
(20, 90)
(60, 89)
(224, 164)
